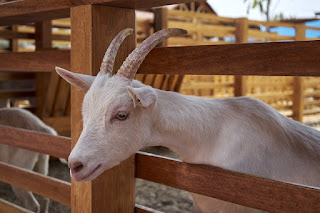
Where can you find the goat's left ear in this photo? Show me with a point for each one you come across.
(146, 96)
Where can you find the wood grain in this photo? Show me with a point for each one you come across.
(267, 59)
(33, 10)
(93, 28)
(39, 61)
(299, 58)
(49, 187)
(239, 188)
(56, 146)
(6, 207)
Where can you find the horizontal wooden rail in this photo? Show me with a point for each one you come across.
(49, 187)
(239, 188)
(300, 58)
(33, 10)
(56, 146)
(39, 61)
(6, 206)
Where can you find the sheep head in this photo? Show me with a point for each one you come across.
(116, 109)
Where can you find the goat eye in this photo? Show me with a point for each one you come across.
(121, 115)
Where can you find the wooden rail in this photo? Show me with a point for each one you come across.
(291, 59)
(6, 206)
(32, 10)
(52, 188)
(56, 146)
(239, 188)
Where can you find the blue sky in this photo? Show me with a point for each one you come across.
(289, 8)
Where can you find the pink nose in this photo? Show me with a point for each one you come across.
(75, 166)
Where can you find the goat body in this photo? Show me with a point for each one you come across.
(26, 159)
(122, 115)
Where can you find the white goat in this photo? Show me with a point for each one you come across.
(122, 115)
(27, 159)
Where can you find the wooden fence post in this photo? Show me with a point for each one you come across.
(241, 37)
(43, 41)
(298, 84)
(93, 27)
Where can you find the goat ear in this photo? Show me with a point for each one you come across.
(146, 96)
(79, 80)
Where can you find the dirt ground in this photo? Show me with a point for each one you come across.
(156, 196)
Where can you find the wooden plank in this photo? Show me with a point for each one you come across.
(299, 58)
(239, 188)
(39, 61)
(33, 10)
(56, 146)
(42, 41)
(62, 98)
(266, 35)
(298, 86)
(8, 34)
(6, 207)
(60, 124)
(50, 95)
(6, 76)
(289, 59)
(242, 34)
(204, 16)
(204, 29)
(93, 28)
(49, 187)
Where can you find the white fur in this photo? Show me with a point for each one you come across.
(27, 159)
(240, 134)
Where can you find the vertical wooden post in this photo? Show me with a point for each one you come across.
(161, 21)
(43, 41)
(241, 37)
(298, 84)
(14, 42)
(93, 27)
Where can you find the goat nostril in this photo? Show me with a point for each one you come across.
(76, 167)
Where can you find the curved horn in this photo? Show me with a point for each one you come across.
(134, 60)
(110, 55)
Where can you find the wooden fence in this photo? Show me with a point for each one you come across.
(92, 25)
(295, 97)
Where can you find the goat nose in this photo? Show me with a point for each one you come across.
(75, 166)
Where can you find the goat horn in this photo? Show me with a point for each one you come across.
(134, 60)
(110, 55)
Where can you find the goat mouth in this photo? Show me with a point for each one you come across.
(87, 177)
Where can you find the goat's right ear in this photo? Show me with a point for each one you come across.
(79, 80)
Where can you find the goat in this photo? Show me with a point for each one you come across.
(122, 115)
(26, 159)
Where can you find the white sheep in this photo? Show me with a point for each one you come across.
(122, 115)
(26, 159)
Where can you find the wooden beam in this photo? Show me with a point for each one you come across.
(34, 11)
(241, 37)
(299, 58)
(299, 85)
(39, 61)
(239, 188)
(266, 59)
(93, 28)
(49, 187)
(6, 206)
(43, 41)
(56, 146)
